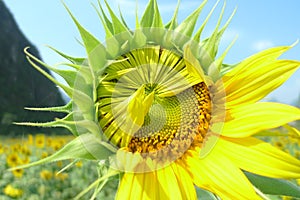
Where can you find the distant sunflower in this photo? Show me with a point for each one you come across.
(40, 140)
(158, 107)
(13, 159)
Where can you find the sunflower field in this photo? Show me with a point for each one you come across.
(44, 181)
(49, 182)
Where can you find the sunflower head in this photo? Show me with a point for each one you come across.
(155, 95)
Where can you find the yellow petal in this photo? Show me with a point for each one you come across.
(143, 186)
(135, 107)
(147, 103)
(250, 119)
(125, 187)
(219, 175)
(169, 185)
(257, 76)
(164, 183)
(185, 182)
(259, 157)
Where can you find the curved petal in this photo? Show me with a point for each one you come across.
(219, 175)
(247, 120)
(259, 157)
(126, 186)
(185, 182)
(257, 76)
(171, 182)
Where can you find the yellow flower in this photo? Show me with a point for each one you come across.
(25, 160)
(9, 190)
(18, 173)
(13, 159)
(158, 106)
(44, 154)
(46, 174)
(78, 164)
(49, 142)
(25, 150)
(16, 148)
(40, 140)
(56, 145)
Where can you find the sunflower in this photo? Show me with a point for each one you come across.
(13, 159)
(157, 107)
(40, 140)
(10, 191)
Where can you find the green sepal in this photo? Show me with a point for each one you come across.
(274, 186)
(105, 21)
(212, 43)
(84, 103)
(203, 25)
(122, 18)
(151, 17)
(91, 126)
(173, 23)
(186, 28)
(64, 123)
(95, 50)
(118, 26)
(218, 63)
(63, 109)
(74, 60)
(86, 146)
(83, 73)
(152, 23)
(30, 57)
(68, 75)
(139, 39)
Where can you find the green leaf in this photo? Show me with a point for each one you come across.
(274, 186)
(86, 146)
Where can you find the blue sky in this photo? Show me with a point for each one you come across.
(258, 24)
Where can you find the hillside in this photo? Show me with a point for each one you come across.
(20, 84)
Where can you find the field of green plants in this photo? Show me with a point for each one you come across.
(44, 181)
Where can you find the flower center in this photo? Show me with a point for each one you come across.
(186, 124)
(149, 104)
